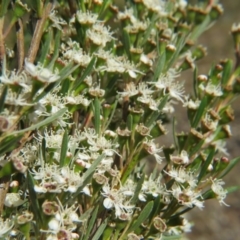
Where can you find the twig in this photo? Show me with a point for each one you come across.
(35, 43)
(20, 44)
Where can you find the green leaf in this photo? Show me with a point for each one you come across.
(91, 223)
(195, 83)
(57, 42)
(178, 237)
(96, 111)
(226, 74)
(179, 47)
(87, 177)
(64, 148)
(137, 190)
(175, 134)
(142, 216)
(206, 164)
(126, 43)
(200, 112)
(230, 166)
(100, 230)
(42, 123)
(43, 152)
(200, 28)
(233, 189)
(156, 207)
(154, 116)
(45, 47)
(159, 66)
(67, 71)
(87, 71)
(7, 170)
(9, 143)
(34, 204)
(3, 97)
(3, 7)
(149, 29)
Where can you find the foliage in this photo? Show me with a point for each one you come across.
(87, 90)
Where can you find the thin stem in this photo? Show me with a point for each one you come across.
(35, 43)
(20, 44)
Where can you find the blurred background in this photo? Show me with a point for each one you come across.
(220, 222)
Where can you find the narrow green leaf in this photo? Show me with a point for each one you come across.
(230, 166)
(232, 189)
(9, 143)
(46, 46)
(142, 216)
(126, 43)
(43, 123)
(179, 46)
(112, 113)
(100, 230)
(179, 237)
(175, 134)
(200, 28)
(156, 207)
(3, 97)
(137, 190)
(195, 83)
(87, 71)
(227, 72)
(148, 30)
(4, 7)
(67, 71)
(200, 112)
(64, 148)
(206, 164)
(96, 110)
(86, 215)
(154, 116)
(91, 223)
(87, 177)
(130, 122)
(57, 41)
(34, 201)
(159, 66)
(44, 151)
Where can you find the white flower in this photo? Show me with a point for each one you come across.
(57, 21)
(5, 226)
(13, 200)
(40, 73)
(86, 18)
(99, 34)
(152, 149)
(157, 6)
(212, 89)
(167, 83)
(191, 104)
(181, 158)
(129, 90)
(74, 53)
(52, 178)
(154, 187)
(116, 199)
(187, 196)
(20, 79)
(220, 192)
(120, 65)
(181, 175)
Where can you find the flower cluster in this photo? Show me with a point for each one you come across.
(86, 110)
